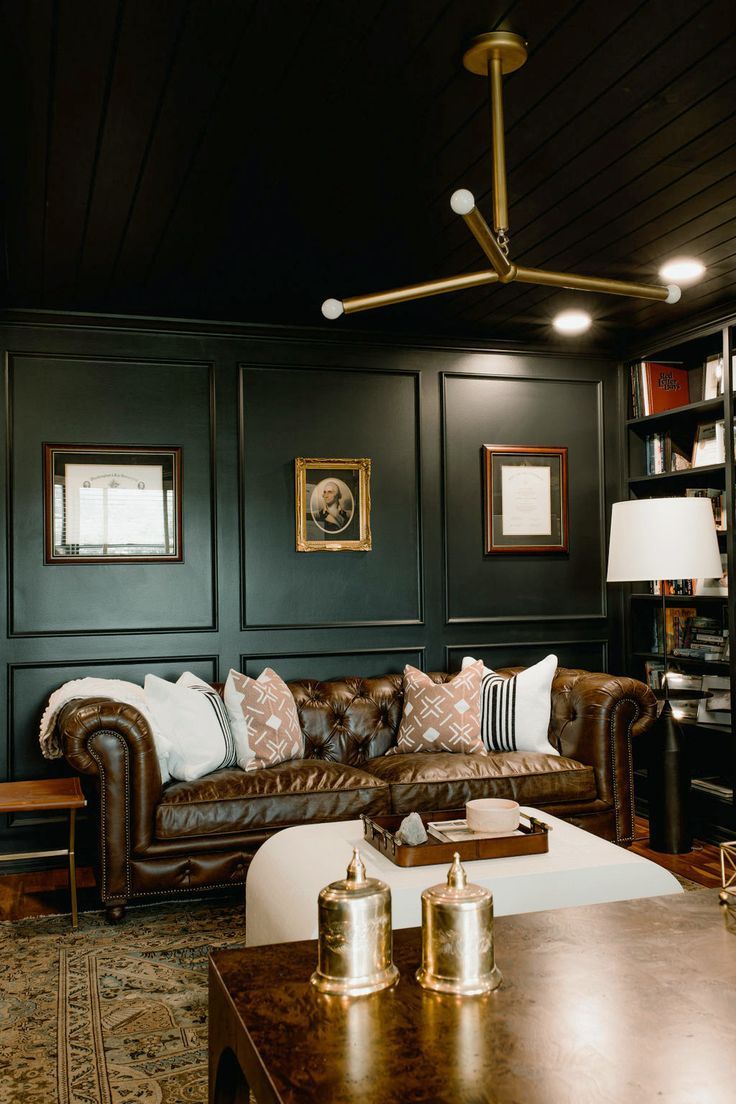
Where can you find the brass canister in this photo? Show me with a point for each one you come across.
(355, 939)
(457, 937)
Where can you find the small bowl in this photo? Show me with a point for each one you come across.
(492, 815)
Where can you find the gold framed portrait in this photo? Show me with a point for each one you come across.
(333, 504)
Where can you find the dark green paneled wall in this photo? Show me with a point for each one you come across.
(242, 404)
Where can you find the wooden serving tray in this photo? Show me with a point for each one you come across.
(378, 831)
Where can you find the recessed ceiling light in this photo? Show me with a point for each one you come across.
(572, 321)
(682, 270)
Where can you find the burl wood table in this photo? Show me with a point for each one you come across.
(41, 796)
(631, 1002)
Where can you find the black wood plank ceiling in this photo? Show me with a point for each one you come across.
(246, 159)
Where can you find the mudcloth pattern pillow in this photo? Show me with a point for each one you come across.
(264, 720)
(441, 716)
(514, 712)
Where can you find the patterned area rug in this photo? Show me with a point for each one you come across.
(110, 1014)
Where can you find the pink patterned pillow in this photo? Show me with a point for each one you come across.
(263, 718)
(441, 716)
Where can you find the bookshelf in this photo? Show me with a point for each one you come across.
(711, 746)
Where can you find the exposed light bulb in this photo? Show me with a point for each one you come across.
(673, 294)
(572, 321)
(462, 201)
(332, 308)
(682, 270)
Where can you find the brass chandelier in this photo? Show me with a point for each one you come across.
(491, 55)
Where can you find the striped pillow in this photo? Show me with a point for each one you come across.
(514, 712)
(192, 717)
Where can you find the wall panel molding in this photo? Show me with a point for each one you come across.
(454, 652)
(247, 622)
(13, 360)
(531, 560)
(264, 658)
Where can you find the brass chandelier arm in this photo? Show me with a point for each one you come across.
(668, 294)
(500, 199)
(415, 291)
(482, 233)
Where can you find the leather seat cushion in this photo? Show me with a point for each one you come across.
(296, 792)
(443, 780)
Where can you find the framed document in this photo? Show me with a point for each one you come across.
(112, 504)
(710, 444)
(333, 505)
(525, 498)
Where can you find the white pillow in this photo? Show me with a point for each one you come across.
(192, 717)
(514, 712)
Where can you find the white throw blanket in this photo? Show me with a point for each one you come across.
(116, 689)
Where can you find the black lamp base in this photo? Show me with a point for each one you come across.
(669, 787)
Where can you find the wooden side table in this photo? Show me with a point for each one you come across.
(53, 793)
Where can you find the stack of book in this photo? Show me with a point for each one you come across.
(657, 386)
(663, 455)
(706, 640)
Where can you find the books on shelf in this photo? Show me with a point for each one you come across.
(664, 455)
(678, 628)
(716, 500)
(658, 386)
(704, 638)
(653, 671)
(678, 587)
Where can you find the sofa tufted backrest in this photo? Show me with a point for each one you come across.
(349, 720)
(354, 719)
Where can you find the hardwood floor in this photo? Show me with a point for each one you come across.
(46, 892)
(702, 864)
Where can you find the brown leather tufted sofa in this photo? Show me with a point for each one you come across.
(191, 836)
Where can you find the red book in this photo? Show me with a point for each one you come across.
(665, 386)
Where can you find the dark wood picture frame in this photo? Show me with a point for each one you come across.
(122, 468)
(504, 519)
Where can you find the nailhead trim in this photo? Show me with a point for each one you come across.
(103, 804)
(616, 808)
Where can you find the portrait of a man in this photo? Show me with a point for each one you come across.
(332, 505)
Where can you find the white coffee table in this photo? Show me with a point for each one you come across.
(288, 871)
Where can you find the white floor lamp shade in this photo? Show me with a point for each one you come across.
(663, 538)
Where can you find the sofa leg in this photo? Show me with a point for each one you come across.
(114, 913)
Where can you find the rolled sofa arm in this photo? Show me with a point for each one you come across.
(112, 742)
(594, 719)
